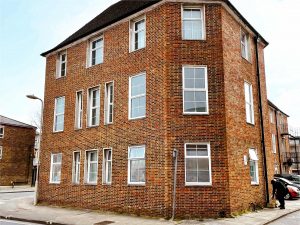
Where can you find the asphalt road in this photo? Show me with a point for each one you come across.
(10, 222)
(291, 219)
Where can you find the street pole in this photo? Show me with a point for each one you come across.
(39, 150)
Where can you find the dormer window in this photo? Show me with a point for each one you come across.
(62, 64)
(138, 34)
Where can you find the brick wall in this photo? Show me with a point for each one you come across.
(17, 154)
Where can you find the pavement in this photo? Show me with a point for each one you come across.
(21, 188)
(17, 204)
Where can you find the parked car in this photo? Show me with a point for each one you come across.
(291, 177)
(294, 189)
(293, 192)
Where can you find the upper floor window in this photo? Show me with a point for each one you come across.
(136, 165)
(197, 164)
(249, 103)
(138, 34)
(109, 103)
(245, 45)
(91, 167)
(59, 114)
(1, 131)
(274, 143)
(55, 169)
(62, 64)
(107, 166)
(137, 96)
(93, 106)
(253, 166)
(96, 51)
(1, 152)
(271, 116)
(195, 90)
(192, 23)
(78, 109)
(76, 168)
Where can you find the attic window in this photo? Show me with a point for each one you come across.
(61, 64)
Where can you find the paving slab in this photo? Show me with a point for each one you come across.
(21, 206)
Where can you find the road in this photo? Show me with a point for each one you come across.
(10, 222)
(291, 219)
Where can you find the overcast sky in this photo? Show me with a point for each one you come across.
(29, 27)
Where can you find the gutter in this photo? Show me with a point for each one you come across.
(256, 39)
(278, 146)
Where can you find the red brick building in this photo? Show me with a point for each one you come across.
(142, 79)
(16, 151)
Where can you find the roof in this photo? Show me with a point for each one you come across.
(276, 108)
(11, 122)
(121, 10)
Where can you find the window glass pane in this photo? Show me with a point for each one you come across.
(187, 13)
(203, 164)
(109, 172)
(137, 152)
(139, 25)
(196, 13)
(59, 125)
(134, 171)
(191, 164)
(187, 30)
(189, 83)
(60, 105)
(203, 176)
(93, 156)
(200, 107)
(189, 107)
(191, 176)
(138, 85)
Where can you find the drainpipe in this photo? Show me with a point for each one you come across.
(175, 154)
(278, 146)
(261, 118)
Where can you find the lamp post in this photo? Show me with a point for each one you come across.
(38, 155)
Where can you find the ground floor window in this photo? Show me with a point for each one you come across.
(76, 168)
(197, 164)
(107, 165)
(55, 168)
(136, 165)
(253, 166)
(91, 167)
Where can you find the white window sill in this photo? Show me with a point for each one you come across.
(250, 123)
(58, 131)
(54, 182)
(58, 78)
(247, 59)
(91, 66)
(254, 183)
(198, 184)
(92, 126)
(201, 39)
(90, 184)
(195, 114)
(135, 50)
(137, 184)
(137, 118)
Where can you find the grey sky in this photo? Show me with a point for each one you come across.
(29, 27)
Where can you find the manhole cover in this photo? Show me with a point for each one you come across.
(104, 223)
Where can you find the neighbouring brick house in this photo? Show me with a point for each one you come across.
(16, 151)
(280, 139)
(144, 78)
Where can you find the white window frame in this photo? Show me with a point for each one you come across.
(79, 110)
(51, 168)
(202, 10)
(137, 96)
(76, 167)
(90, 108)
(58, 114)
(132, 33)
(105, 167)
(59, 64)
(274, 143)
(256, 182)
(2, 134)
(108, 102)
(198, 157)
(87, 167)
(91, 49)
(141, 183)
(245, 44)
(251, 104)
(195, 89)
(1, 152)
